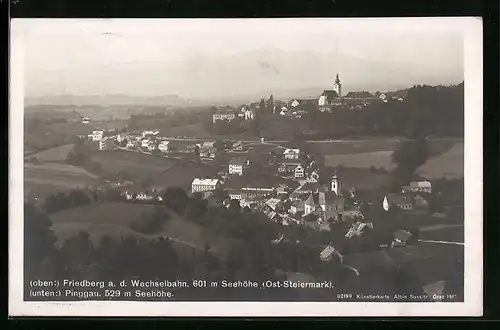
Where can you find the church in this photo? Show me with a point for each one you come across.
(328, 97)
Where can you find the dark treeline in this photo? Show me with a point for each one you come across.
(427, 110)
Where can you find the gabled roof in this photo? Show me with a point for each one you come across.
(330, 94)
(399, 199)
(420, 184)
(207, 182)
(273, 203)
(208, 144)
(359, 95)
(402, 235)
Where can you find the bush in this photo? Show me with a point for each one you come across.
(149, 224)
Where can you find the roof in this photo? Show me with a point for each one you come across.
(421, 184)
(330, 94)
(287, 151)
(398, 199)
(360, 95)
(207, 182)
(236, 144)
(298, 203)
(208, 144)
(328, 251)
(312, 187)
(273, 203)
(402, 235)
(237, 161)
(224, 112)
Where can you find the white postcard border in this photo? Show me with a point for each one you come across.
(473, 151)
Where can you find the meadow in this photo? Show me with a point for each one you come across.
(449, 164)
(57, 154)
(114, 219)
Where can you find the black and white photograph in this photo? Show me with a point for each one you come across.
(328, 167)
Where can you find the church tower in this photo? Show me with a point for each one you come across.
(337, 87)
(335, 185)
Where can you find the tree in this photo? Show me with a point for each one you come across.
(78, 253)
(219, 145)
(410, 155)
(175, 199)
(196, 208)
(234, 208)
(39, 240)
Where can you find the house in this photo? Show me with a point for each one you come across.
(150, 133)
(327, 204)
(151, 146)
(96, 135)
(400, 238)
(207, 149)
(86, 120)
(299, 171)
(201, 185)
(223, 115)
(383, 97)
(130, 144)
(313, 177)
(357, 229)
(293, 154)
(297, 207)
(329, 252)
(236, 166)
(418, 186)
(237, 146)
(327, 97)
(235, 194)
(163, 146)
(282, 191)
(294, 103)
(105, 144)
(403, 202)
(274, 204)
(145, 143)
(308, 188)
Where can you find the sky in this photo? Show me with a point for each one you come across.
(200, 58)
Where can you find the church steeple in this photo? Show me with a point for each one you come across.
(337, 87)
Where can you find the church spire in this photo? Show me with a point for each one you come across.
(337, 80)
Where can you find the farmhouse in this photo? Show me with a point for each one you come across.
(96, 135)
(400, 238)
(357, 229)
(237, 146)
(202, 185)
(223, 115)
(418, 186)
(274, 204)
(105, 144)
(403, 202)
(299, 171)
(163, 146)
(292, 154)
(236, 166)
(359, 95)
(207, 149)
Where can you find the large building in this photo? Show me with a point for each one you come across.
(327, 204)
(202, 185)
(105, 144)
(328, 97)
(223, 115)
(163, 146)
(236, 166)
(418, 186)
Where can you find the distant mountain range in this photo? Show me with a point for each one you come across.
(249, 76)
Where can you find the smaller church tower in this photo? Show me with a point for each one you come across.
(335, 185)
(337, 86)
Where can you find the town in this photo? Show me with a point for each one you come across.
(331, 213)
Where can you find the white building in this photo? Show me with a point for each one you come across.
(105, 144)
(145, 143)
(335, 186)
(418, 186)
(295, 103)
(291, 153)
(201, 185)
(163, 146)
(299, 171)
(150, 133)
(97, 135)
(151, 146)
(249, 114)
(236, 166)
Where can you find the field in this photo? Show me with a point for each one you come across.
(449, 164)
(53, 135)
(113, 219)
(55, 176)
(362, 178)
(136, 164)
(362, 160)
(57, 154)
(448, 233)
